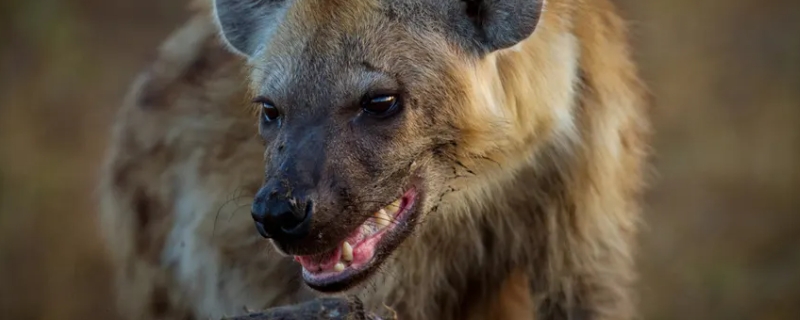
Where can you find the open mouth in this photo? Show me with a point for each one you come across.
(359, 254)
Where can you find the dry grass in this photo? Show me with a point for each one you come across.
(723, 213)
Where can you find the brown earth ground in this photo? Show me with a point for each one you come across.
(723, 237)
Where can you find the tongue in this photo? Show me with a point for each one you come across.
(362, 240)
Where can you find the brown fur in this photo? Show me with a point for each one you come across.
(554, 131)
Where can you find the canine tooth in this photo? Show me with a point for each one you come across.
(339, 267)
(347, 252)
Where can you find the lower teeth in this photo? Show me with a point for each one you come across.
(339, 267)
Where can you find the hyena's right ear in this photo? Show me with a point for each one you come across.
(495, 24)
(247, 25)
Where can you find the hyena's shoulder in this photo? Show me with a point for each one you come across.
(183, 161)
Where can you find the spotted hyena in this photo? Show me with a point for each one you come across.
(442, 159)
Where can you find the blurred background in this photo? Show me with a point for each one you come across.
(723, 214)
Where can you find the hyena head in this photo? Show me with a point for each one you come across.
(370, 109)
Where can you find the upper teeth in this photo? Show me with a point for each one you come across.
(382, 218)
(394, 206)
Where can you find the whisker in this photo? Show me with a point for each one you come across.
(244, 206)
(235, 195)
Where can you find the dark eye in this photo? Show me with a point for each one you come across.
(383, 105)
(269, 111)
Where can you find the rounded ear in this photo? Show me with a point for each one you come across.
(499, 24)
(247, 25)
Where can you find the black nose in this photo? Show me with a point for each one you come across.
(281, 217)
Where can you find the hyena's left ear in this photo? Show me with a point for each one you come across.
(496, 24)
(247, 25)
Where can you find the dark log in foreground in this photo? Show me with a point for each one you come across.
(318, 309)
